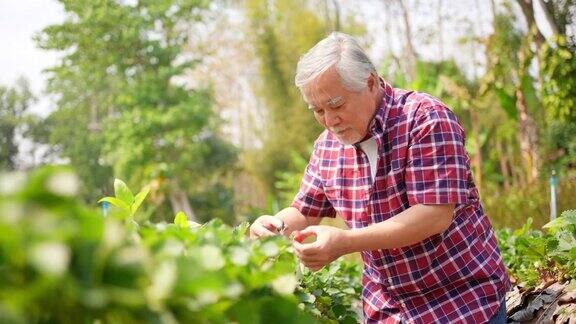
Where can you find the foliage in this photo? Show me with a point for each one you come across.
(533, 256)
(216, 201)
(63, 262)
(65, 131)
(289, 181)
(559, 87)
(120, 109)
(126, 202)
(333, 292)
(501, 51)
(558, 98)
(14, 103)
(559, 145)
(447, 82)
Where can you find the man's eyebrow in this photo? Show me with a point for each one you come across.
(332, 102)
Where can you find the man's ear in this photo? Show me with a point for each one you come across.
(372, 82)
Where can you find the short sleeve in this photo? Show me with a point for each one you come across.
(438, 167)
(311, 200)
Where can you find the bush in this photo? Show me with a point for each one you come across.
(534, 256)
(63, 262)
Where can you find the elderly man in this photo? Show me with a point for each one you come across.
(392, 164)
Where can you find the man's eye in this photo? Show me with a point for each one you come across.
(319, 111)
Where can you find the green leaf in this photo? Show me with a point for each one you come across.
(240, 230)
(122, 192)
(507, 102)
(181, 220)
(563, 222)
(349, 319)
(570, 215)
(116, 202)
(245, 311)
(139, 199)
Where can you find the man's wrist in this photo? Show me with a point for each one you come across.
(350, 241)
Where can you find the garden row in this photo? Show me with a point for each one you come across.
(63, 262)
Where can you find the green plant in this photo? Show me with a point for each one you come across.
(125, 200)
(333, 292)
(534, 256)
(63, 262)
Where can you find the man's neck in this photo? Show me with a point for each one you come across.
(377, 103)
(379, 98)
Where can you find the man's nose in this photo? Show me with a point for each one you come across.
(332, 119)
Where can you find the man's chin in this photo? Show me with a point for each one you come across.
(347, 141)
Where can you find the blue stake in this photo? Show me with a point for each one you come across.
(553, 185)
(105, 208)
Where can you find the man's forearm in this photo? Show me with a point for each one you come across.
(294, 220)
(413, 225)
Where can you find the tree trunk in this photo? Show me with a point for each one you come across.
(337, 24)
(493, 8)
(328, 25)
(527, 137)
(528, 10)
(527, 130)
(412, 56)
(546, 6)
(514, 164)
(332, 25)
(504, 164)
(179, 202)
(477, 159)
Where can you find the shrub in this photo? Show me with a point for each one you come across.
(63, 262)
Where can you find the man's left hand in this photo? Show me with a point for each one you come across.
(330, 244)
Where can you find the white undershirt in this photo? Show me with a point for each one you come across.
(370, 147)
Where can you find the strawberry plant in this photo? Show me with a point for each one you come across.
(333, 292)
(534, 256)
(63, 262)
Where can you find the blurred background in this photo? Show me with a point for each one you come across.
(195, 99)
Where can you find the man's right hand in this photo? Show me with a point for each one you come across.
(266, 225)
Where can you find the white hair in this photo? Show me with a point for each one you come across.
(341, 51)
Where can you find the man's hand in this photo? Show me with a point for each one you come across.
(330, 244)
(266, 225)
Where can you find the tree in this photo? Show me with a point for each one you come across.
(508, 59)
(410, 50)
(555, 74)
(14, 103)
(118, 94)
(282, 31)
(558, 92)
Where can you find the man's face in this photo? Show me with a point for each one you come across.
(345, 113)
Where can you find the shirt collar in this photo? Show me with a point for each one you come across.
(378, 123)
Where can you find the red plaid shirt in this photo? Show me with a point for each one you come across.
(452, 277)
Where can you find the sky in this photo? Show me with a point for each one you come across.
(19, 21)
